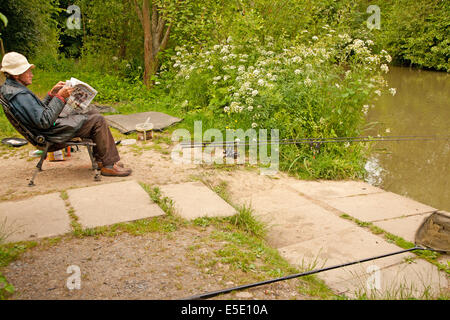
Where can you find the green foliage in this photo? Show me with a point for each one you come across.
(313, 89)
(31, 27)
(4, 20)
(416, 32)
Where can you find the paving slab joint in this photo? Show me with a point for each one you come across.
(405, 216)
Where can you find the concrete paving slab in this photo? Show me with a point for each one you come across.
(107, 204)
(302, 223)
(405, 227)
(276, 199)
(193, 200)
(333, 189)
(348, 245)
(418, 279)
(378, 206)
(38, 217)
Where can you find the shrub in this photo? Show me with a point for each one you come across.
(320, 88)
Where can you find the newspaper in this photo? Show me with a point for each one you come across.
(82, 96)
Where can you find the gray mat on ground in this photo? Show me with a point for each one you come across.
(126, 123)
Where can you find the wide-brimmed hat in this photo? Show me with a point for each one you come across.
(15, 63)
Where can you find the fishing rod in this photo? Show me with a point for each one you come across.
(211, 294)
(311, 141)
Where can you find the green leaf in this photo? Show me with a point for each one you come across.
(4, 19)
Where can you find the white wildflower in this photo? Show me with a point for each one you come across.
(393, 91)
(315, 38)
(297, 71)
(345, 37)
(378, 92)
(307, 82)
(365, 109)
(250, 108)
(261, 82)
(255, 93)
(358, 43)
(254, 125)
(384, 68)
(226, 109)
(234, 106)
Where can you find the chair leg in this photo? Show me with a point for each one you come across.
(97, 176)
(39, 165)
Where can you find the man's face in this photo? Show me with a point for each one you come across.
(26, 78)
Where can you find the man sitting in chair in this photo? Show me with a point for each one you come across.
(52, 120)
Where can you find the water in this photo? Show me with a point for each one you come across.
(416, 169)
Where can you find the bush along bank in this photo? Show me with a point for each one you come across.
(321, 87)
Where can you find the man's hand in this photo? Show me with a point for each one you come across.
(65, 92)
(56, 88)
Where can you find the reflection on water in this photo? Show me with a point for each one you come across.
(421, 106)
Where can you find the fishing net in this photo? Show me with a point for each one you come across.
(434, 232)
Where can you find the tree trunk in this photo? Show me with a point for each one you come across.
(2, 48)
(155, 38)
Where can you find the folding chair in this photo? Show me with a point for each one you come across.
(40, 142)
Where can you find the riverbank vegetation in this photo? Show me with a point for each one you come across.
(306, 69)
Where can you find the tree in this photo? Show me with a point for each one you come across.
(156, 26)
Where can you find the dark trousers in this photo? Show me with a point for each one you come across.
(97, 129)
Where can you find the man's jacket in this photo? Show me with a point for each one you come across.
(48, 117)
